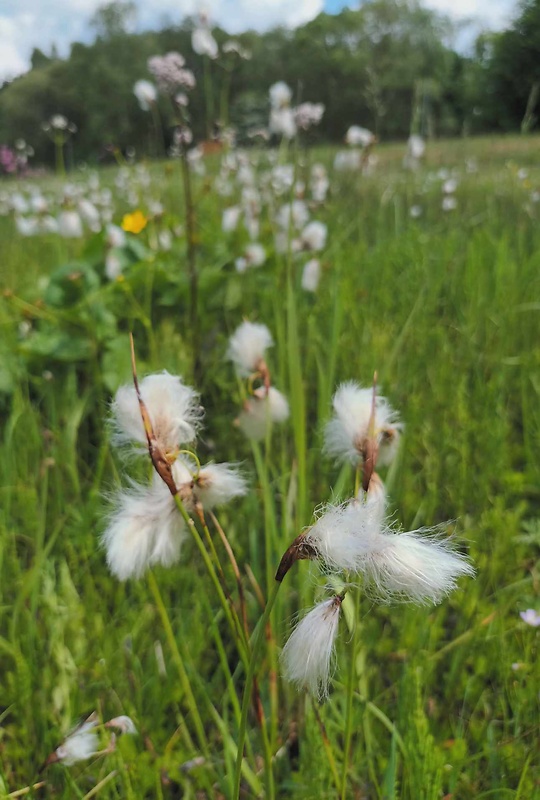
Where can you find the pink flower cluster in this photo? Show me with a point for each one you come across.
(170, 74)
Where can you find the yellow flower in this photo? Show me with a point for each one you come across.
(134, 223)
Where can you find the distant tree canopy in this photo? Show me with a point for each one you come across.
(386, 66)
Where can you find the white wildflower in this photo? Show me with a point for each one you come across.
(261, 410)
(295, 214)
(248, 346)
(449, 203)
(309, 114)
(280, 95)
(81, 744)
(70, 225)
(254, 256)
(113, 264)
(347, 431)
(116, 237)
(230, 218)
(417, 566)
(531, 617)
(146, 528)
(216, 484)
(173, 408)
(359, 136)
(122, 723)
(313, 236)
(203, 43)
(146, 94)
(282, 122)
(311, 275)
(307, 656)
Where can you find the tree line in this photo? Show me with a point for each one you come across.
(387, 66)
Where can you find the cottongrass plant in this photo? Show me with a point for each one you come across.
(356, 546)
(265, 405)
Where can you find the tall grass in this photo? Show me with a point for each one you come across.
(438, 702)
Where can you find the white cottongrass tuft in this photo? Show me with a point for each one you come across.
(311, 275)
(145, 529)
(173, 407)
(346, 432)
(313, 236)
(122, 723)
(307, 657)
(247, 347)
(419, 566)
(218, 483)
(81, 744)
(262, 409)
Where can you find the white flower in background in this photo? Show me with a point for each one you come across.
(309, 114)
(450, 186)
(531, 617)
(81, 744)
(282, 122)
(203, 42)
(357, 136)
(58, 122)
(307, 657)
(295, 214)
(261, 410)
(313, 236)
(347, 161)
(234, 46)
(415, 211)
(113, 264)
(38, 204)
(280, 95)
(165, 240)
(170, 74)
(282, 178)
(248, 346)
(346, 433)
(27, 226)
(123, 723)
(173, 408)
(416, 148)
(145, 529)
(181, 99)
(49, 224)
(70, 225)
(115, 236)
(319, 183)
(449, 203)
(311, 275)
(19, 203)
(254, 256)
(146, 94)
(89, 214)
(230, 219)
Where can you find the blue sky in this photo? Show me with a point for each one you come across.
(25, 24)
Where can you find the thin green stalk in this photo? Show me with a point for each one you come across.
(179, 662)
(349, 706)
(214, 578)
(258, 638)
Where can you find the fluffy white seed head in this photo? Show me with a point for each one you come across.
(311, 275)
(144, 529)
(248, 346)
(122, 723)
(419, 566)
(261, 410)
(173, 408)
(219, 483)
(307, 657)
(83, 743)
(348, 429)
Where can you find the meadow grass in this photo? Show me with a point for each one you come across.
(424, 702)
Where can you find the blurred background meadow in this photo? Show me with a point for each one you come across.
(366, 183)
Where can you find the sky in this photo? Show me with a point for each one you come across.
(25, 24)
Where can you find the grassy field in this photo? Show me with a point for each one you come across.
(424, 702)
